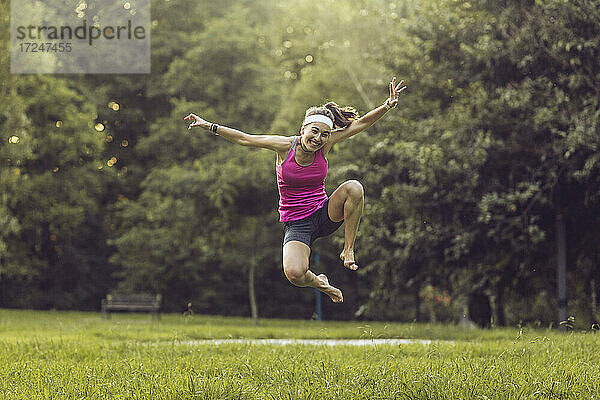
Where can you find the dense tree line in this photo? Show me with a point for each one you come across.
(104, 188)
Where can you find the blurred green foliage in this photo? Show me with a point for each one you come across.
(496, 135)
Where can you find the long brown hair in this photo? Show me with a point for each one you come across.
(341, 116)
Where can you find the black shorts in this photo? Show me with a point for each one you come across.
(307, 229)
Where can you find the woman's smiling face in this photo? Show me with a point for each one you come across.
(315, 135)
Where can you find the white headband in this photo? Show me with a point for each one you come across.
(318, 118)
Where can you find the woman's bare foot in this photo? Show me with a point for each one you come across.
(347, 256)
(334, 293)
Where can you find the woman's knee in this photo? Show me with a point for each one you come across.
(355, 189)
(295, 262)
(294, 272)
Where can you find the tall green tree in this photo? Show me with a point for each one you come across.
(498, 148)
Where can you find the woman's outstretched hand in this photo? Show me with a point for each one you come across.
(196, 121)
(395, 90)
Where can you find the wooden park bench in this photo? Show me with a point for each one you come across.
(138, 302)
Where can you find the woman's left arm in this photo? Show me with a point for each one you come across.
(371, 117)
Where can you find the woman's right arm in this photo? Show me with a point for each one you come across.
(279, 144)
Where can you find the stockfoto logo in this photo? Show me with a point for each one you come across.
(82, 32)
(77, 36)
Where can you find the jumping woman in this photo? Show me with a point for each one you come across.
(304, 208)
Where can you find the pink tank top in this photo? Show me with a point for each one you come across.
(301, 189)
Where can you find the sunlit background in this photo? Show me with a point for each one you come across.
(481, 187)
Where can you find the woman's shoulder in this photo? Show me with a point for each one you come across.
(278, 143)
(285, 150)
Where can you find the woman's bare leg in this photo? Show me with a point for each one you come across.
(295, 266)
(346, 204)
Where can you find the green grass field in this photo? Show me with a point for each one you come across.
(68, 355)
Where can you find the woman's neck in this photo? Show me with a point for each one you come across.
(304, 156)
(304, 149)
